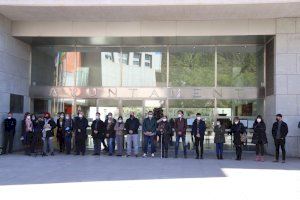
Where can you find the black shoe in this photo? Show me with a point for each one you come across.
(218, 157)
(52, 154)
(201, 157)
(127, 155)
(221, 157)
(185, 156)
(136, 155)
(176, 156)
(197, 157)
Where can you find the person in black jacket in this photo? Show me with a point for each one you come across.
(238, 130)
(165, 131)
(59, 134)
(259, 137)
(48, 134)
(279, 132)
(198, 131)
(98, 129)
(132, 126)
(67, 129)
(80, 126)
(110, 133)
(9, 133)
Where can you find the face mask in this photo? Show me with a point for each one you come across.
(67, 117)
(164, 119)
(198, 118)
(61, 116)
(258, 120)
(179, 115)
(33, 118)
(46, 116)
(150, 116)
(80, 115)
(109, 116)
(97, 117)
(9, 117)
(236, 122)
(218, 124)
(28, 117)
(120, 121)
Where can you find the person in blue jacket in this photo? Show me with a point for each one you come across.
(198, 131)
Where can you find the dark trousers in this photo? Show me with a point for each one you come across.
(238, 151)
(33, 142)
(147, 140)
(8, 140)
(260, 149)
(177, 144)
(219, 149)
(198, 141)
(68, 144)
(102, 139)
(80, 145)
(165, 146)
(279, 143)
(61, 142)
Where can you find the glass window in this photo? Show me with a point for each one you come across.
(240, 66)
(152, 71)
(192, 66)
(16, 103)
(54, 66)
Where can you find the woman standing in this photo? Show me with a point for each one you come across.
(259, 138)
(48, 134)
(27, 129)
(238, 130)
(119, 128)
(67, 128)
(219, 139)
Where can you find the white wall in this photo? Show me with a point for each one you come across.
(14, 73)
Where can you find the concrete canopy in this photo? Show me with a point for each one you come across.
(133, 10)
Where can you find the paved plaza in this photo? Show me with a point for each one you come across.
(89, 177)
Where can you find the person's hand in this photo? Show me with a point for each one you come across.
(198, 135)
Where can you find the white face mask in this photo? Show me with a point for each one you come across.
(120, 121)
(33, 118)
(80, 115)
(198, 118)
(97, 117)
(236, 122)
(67, 117)
(61, 116)
(9, 117)
(258, 120)
(218, 124)
(179, 115)
(28, 117)
(150, 116)
(164, 119)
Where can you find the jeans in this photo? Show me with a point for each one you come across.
(198, 141)
(279, 143)
(48, 143)
(68, 141)
(177, 144)
(111, 145)
(219, 148)
(120, 144)
(132, 139)
(148, 139)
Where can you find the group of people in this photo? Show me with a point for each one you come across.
(38, 134)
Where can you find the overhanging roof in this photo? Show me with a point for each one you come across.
(139, 10)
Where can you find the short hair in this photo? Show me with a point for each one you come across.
(120, 117)
(198, 114)
(279, 115)
(236, 118)
(181, 111)
(97, 113)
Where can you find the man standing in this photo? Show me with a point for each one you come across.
(180, 126)
(98, 129)
(59, 134)
(149, 131)
(132, 126)
(198, 130)
(9, 133)
(279, 132)
(80, 126)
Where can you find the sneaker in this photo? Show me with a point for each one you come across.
(136, 155)
(145, 155)
(152, 155)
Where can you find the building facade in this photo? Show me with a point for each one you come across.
(240, 58)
